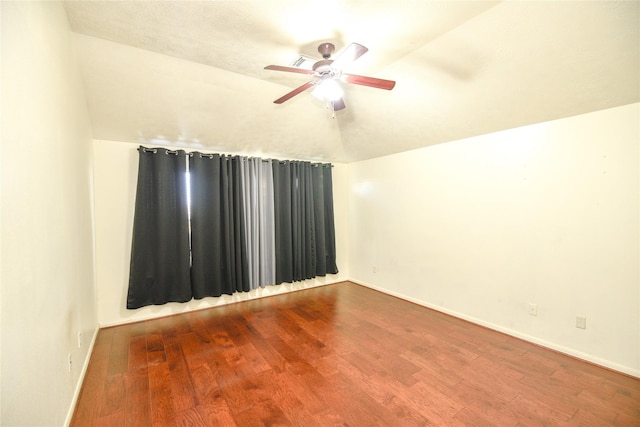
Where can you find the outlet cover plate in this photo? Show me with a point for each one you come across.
(581, 322)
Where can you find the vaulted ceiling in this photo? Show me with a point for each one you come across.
(191, 73)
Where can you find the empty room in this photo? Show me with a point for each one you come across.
(328, 213)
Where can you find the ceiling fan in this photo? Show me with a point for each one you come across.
(326, 71)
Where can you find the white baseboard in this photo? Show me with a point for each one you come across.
(529, 338)
(83, 372)
(170, 309)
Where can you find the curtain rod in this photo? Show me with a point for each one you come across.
(228, 156)
(155, 150)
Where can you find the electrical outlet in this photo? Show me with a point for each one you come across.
(581, 322)
(533, 310)
(79, 339)
(69, 361)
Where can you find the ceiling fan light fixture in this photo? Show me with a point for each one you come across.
(328, 90)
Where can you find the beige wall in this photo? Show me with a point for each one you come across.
(114, 206)
(482, 227)
(47, 269)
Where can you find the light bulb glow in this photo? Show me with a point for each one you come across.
(328, 90)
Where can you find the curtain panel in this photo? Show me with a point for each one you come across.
(304, 226)
(218, 245)
(257, 181)
(209, 224)
(160, 266)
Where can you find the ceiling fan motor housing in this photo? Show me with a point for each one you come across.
(323, 66)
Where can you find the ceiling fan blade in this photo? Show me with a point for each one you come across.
(369, 81)
(338, 104)
(289, 69)
(295, 92)
(350, 54)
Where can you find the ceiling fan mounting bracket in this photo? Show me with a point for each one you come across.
(326, 50)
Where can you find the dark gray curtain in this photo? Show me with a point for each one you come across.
(325, 222)
(159, 271)
(219, 252)
(288, 233)
(304, 226)
(282, 208)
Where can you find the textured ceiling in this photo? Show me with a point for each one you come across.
(191, 73)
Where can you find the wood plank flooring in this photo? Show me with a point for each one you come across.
(339, 355)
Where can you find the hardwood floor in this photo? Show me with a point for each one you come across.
(339, 355)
